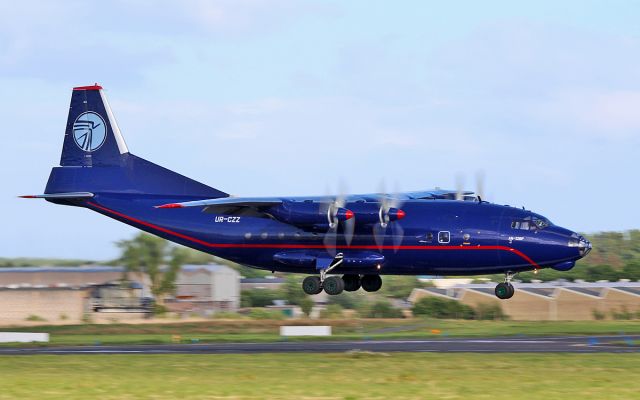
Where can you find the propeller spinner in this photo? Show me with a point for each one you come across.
(390, 212)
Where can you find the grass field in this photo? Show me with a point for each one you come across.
(267, 330)
(324, 376)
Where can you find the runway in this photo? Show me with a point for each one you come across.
(556, 344)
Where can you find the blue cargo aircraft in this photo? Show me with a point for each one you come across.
(343, 243)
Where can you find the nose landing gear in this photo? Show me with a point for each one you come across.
(505, 290)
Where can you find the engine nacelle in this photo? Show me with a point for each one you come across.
(310, 213)
(372, 213)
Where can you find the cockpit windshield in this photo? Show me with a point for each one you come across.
(531, 223)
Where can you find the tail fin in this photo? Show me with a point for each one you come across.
(95, 157)
(92, 137)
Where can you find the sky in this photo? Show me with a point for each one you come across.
(292, 97)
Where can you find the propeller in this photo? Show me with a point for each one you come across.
(480, 184)
(459, 187)
(337, 213)
(389, 213)
(460, 193)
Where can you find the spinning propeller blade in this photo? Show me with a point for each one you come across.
(389, 214)
(336, 213)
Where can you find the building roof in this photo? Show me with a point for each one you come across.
(263, 280)
(590, 290)
(547, 292)
(84, 268)
(545, 289)
(632, 290)
(105, 268)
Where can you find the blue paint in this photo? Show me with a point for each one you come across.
(441, 236)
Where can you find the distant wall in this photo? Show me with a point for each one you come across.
(53, 305)
(559, 304)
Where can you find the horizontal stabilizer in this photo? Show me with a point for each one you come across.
(69, 195)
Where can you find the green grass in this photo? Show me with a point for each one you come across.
(322, 376)
(263, 331)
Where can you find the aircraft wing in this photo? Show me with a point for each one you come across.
(227, 202)
(219, 204)
(436, 194)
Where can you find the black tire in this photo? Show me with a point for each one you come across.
(351, 282)
(333, 285)
(503, 291)
(371, 283)
(512, 290)
(312, 285)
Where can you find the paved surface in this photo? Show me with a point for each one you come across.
(571, 344)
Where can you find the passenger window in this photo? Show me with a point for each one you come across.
(426, 238)
(444, 237)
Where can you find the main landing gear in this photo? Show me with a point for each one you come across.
(334, 284)
(505, 290)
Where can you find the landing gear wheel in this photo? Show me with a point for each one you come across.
(504, 290)
(371, 283)
(351, 282)
(333, 285)
(512, 290)
(312, 285)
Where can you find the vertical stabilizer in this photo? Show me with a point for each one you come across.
(92, 136)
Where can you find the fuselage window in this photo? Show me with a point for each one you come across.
(444, 237)
(426, 238)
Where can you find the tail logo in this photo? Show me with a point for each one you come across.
(89, 131)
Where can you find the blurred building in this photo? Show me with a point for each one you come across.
(553, 301)
(206, 289)
(75, 277)
(261, 283)
(57, 294)
(53, 304)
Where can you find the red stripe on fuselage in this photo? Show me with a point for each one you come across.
(306, 246)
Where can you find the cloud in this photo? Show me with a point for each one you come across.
(125, 42)
(610, 114)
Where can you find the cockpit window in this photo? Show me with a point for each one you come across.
(540, 222)
(530, 223)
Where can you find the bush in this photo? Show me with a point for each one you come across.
(293, 292)
(226, 315)
(435, 307)
(632, 271)
(332, 311)
(381, 309)
(307, 305)
(263, 313)
(348, 300)
(159, 309)
(399, 287)
(35, 318)
(489, 311)
(598, 315)
(602, 272)
(259, 297)
(623, 314)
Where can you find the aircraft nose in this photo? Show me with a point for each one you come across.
(583, 245)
